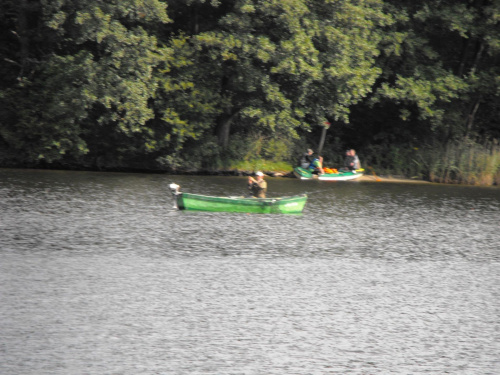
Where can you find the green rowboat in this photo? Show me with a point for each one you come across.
(196, 202)
(305, 174)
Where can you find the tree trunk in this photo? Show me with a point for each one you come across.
(477, 57)
(463, 58)
(326, 125)
(22, 32)
(470, 118)
(322, 140)
(224, 129)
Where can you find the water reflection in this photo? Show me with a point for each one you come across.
(99, 274)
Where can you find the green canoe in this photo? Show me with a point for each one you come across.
(305, 174)
(283, 205)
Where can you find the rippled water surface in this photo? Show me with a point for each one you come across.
(99, 274)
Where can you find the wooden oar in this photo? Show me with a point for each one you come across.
(374, 175)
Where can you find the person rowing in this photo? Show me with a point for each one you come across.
(258, 186)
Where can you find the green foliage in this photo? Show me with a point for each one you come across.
(198, 84)
(185, 101)
(96, 73)
(443, 66)
(283, 66)
(48, 114)
(257, 146)
(124, 56)
(262, 165)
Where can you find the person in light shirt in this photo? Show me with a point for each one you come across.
(258, 186)
(356, 162)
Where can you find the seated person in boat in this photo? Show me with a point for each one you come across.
(348, 161)
(356, 162)
(311, 162)
(258, 186)
(351, 161)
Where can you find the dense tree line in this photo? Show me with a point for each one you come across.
(195, 83)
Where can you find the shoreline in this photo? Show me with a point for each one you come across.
(372, 178)
(367, 177)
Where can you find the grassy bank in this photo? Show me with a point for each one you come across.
(466, 163)
(262, 165)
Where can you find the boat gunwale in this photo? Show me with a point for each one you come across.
(300, 173)
(243, 200)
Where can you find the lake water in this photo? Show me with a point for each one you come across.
(99, 274)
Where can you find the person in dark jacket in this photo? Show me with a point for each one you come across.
(348, 161)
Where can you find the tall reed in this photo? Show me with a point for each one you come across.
(465, 162)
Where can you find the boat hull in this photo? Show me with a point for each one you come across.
(304, 174)
(284, 205)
